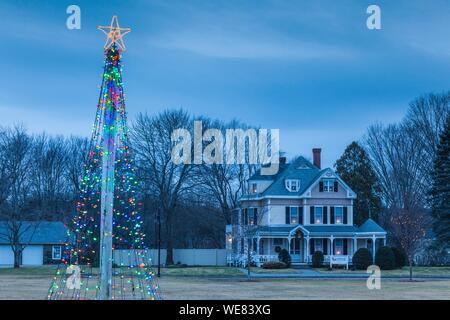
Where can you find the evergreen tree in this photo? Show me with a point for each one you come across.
(355, 168)
(440, 190)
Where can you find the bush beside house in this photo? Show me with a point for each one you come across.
(385, 258)
(362, 259)
(317, 259)
(285, 257)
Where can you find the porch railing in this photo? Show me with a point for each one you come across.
(240, 260)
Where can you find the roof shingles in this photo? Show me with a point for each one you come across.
(46, 232)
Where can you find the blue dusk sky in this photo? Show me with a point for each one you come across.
(310, 68)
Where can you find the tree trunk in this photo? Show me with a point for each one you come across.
(169, 255)
(17, 255)
(169, 236)
(410, 270)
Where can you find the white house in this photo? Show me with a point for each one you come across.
(44, 244)
(303, 209)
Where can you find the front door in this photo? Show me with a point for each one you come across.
(295, 250)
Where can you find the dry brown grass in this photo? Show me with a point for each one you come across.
(35, 287)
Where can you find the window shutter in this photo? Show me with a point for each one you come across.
(321, 186)
(345, 215)
(325, 215)
(311, 246)
(311, 215)
(345, 247)
(300, 215)
(332, 215)
(255, 216)
(336, 186)
(288, 216)
(324, 247)
(333, 249)
(245, 216)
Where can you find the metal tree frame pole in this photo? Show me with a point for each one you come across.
(107, 202)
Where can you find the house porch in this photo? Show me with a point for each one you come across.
(301, 249)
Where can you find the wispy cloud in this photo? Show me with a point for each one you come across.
(250, 46)
(241, 31)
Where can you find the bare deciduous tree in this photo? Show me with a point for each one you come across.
(225, 181)
(409, 227)
(49, 187)
(170, 182)
(426, 119)
(16, 147)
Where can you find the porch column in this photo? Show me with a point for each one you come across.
(355, 245)
(331, 253)
(258, 239)
(384, 242)
(373, 247)
(289, 244)
(307, 250)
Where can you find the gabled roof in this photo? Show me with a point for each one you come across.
(300, 169)
(370, 226)
(46, 232)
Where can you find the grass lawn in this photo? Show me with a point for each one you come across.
(30, 271)
(417, 271)
(179, 272)
(200, 271)
(20, 285)
(274, 271)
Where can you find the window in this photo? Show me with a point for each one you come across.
(254, 187)
(338, 215)
(328, 185)
(318, 245)
(277, 241)
(292, 185)
(318, 215)
(294, 215)
(56, 252)
(252, 216)
(338, 246)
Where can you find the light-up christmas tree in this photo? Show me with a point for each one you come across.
(105, 257)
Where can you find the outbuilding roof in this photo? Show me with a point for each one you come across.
(43, 232)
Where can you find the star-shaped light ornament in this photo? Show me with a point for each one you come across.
(114, 34)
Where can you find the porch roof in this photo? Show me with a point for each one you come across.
(318, 230)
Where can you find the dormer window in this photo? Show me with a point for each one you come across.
(292, 185)
(328, 185)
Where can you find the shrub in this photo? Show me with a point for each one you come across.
(362, 259)
(285, 257)
(277, 249)
(400, 257)
(317, 259)
(274, 265)
(385, 259)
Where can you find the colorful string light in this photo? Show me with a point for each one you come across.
(83, 247)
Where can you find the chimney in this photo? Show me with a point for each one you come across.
(316, 157)
(282, 160)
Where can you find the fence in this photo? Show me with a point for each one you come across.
(191, 257)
